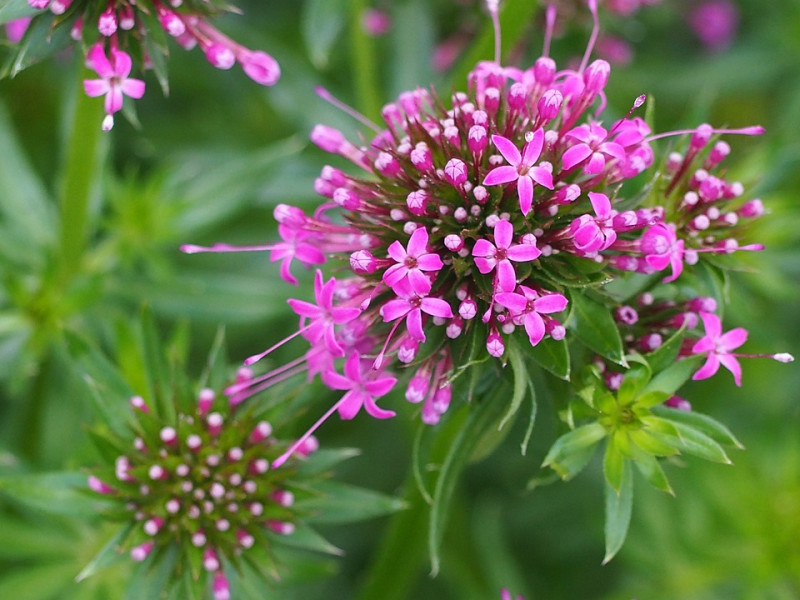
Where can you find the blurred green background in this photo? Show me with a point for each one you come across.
(209, 163)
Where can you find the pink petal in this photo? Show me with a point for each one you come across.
(376, 411)
(351, 403)
(414, 325)
(542, 176)
(309, 255)
(394, 309)
(121, 62)
(113, 100)
(613, 149)
(394, 274)
(729, 362)
(95, 87)
(133, 88)
(418, 244)
(485, 265)
(498, 175)
(525, 192)
(534, 327)
(601, 205)
(352, 367)
(323, 292)
(514, 302)
(335, 381)
(429, 262)
(596, 164)
(523, 252)
(580, 133)
(380, 387)
(437, 307)
(420, 283)
(503, 233)
(286, 273)
(508, 150)
(712, 325)
(506, 276)
(533, 148)
(344, 314)
(550, 303)
(483, 248)
(708, 369)
(397, 252)
(575, 155)
(732, 339)
(96, 59)
(304, 309)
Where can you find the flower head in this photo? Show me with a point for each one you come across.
(114, 81)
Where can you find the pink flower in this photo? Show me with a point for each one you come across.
(411, 305)
(488, 255)
(592, 146)
(520, 167)
(294, 246)
(114, 82)
(411, 262)
(714, 22)
(324, 316)
(594, 234)
(360, 391)
(661, 248)
(718, 345)
(528, 305)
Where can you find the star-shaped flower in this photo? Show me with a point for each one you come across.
(412, 261)
(499, 254)
(520, 167)
(719, 346)
(114, 80)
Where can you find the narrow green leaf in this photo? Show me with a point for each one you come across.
(694, 441)
(531, 421)
(53, 493)
(108, 555)
(613, 463)
(11, 10)
(594, 325)
(651, 444)
(344, 503)
(521, 378)
(618, 513)
(39, 42)
(480, 417)
(665, 355)
(421, 449)
(324, 461)
(553, 356)
(649, 466)
(571, 452)
(306, 538)
(671, 379)
(156, 367)
(711, 427)
(633, 382)
(322, 21)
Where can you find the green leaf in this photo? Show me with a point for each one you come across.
(322, 22)
(552, 356)
(324, 461)
(531, 420)
(521, 378)
(40, 41)
(571, 452)
(344, 503)
(156, 367)
(649, 466)
(594, 325)
(420, 449)
(693, 441)
(53, 493)
(306, 538)
(614, 463)
(480, 417)
(711, 427)
(633, 383)
(665, 355)
(618, 513)
(11, 10)
(108, 555)
(671, 379)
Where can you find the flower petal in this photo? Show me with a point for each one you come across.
(514, 302)
(732, 339)
(534, 327)
(525, 192)
(729, 362)
(95, 87)
(484, 248)
(523, 252)
(504, 174)
(437, 307)
(542, 176)
(506, 276)
(418, 243)
(533, 149)
(550, 303)
(708, 369)
(575, 155)
(397, 252)
(508, 150)
(394, 309)
(712, 325)
(133, 88)
(503, 233)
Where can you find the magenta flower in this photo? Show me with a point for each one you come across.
(591, 145)
(323, 315)
(528, 307)
(520, 167)
(718, 346)
(114, 80)
(360, 391)
(411, 262)
(488, 255)
(661, 247)
(294, 246)
(411, 305)
(594, 234)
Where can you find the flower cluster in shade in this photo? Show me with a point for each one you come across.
(203, 484)
(117, 30)
(472, 220)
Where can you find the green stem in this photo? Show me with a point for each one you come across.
(84, 152)
(362, 57)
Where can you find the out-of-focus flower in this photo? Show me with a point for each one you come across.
(714, 22)
(127, 28)
(376, 22)
(16, 29)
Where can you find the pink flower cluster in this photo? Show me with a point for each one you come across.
(475, 218)
(124, 24)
